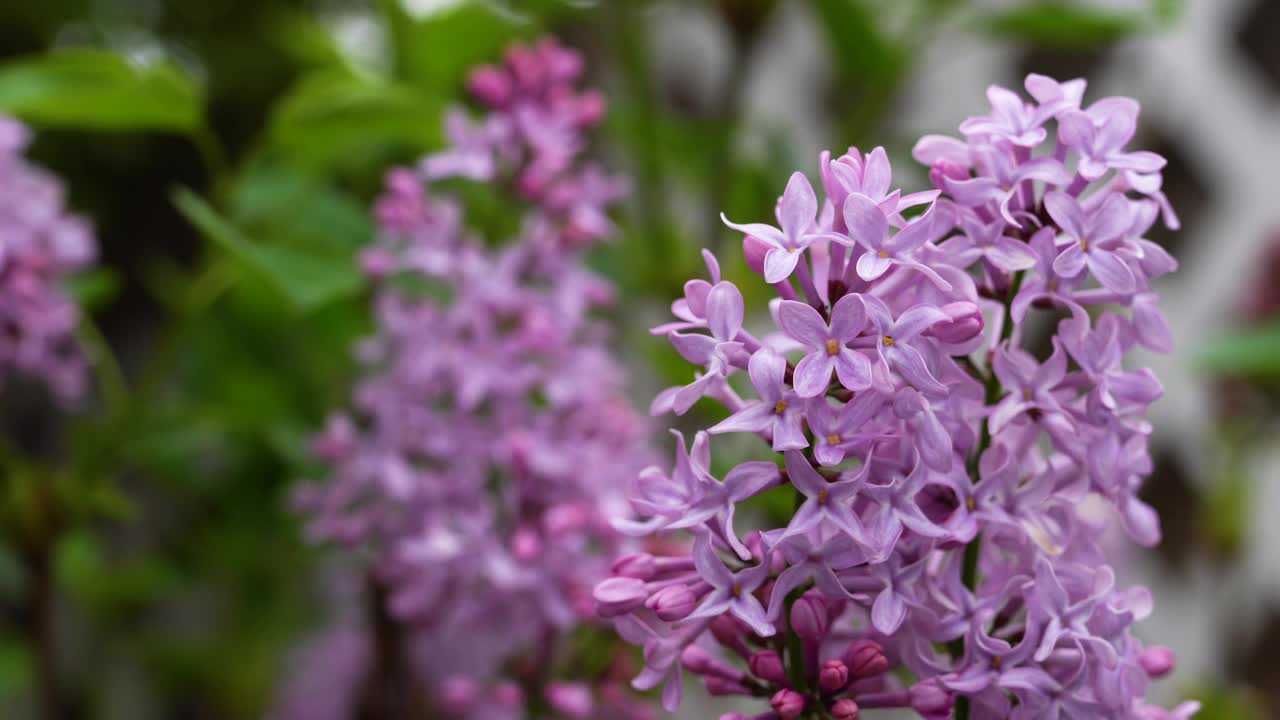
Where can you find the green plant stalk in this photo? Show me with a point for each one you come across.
(972, 552)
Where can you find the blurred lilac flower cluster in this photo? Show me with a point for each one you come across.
(41, 244)
(952, 481)
(491, 439)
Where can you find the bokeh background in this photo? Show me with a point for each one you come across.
(227, 152)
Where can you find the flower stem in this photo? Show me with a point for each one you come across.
(973, 551)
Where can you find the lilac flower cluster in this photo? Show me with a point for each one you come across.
(40, 246)
(951, 484)
(490, 437)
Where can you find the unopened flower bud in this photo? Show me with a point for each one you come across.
(722, 687)
(833, 676)
(728, 631)
(964, 322)
(458, 693)
(1157, 661)
(673, 602)
(490, 86)
(865, 659)
(572, 700)
(698, 661)
(787, 703)
(754, 249)
(618, 596)
(508, 695)
(640, 566)
(932, 700)
(590, 109)
(526, 546)
(844, 709)
(809, 617)
(943, 170)
(767, 665)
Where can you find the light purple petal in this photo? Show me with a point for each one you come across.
(871, 265)
(788, 434)
(1066, 212)
(709, 565)
(779, 263)
(1010, 255)
(813, 374)
(724, 311)
(693, 347)
(932, 149)
(798, 206)
(1071, 261)
(767, 370)
(888, 612)
(854, 370)
(767, 233)
(848, 317)
(803, 323)
(1112, 272)
(916, 320)
(910, 363)
(866, 223)
(753, 418)
(877, 175)
(802, 475)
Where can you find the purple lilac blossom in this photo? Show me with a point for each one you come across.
(41, 245)
(938, 557)
(490, 440)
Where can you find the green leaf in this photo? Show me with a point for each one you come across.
(277, 203)
(308, 279)
(437, 49)
(94, 288)
(15, 668)
(100, 90)
(860, 48)
(1063, 25)
(1250, 353)
(329, 117)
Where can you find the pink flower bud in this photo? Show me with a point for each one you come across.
(767, 665)
(733, 716)
(572, 700)
(833, 676)
(932, 700)
(566, 518)
(698, 661)
(865, 659)
(809, 617)
(591, 108)
(376, 262)
(754, 249)
(458, 693)
(1157, 661)
(787, 703)
(508, 695)
(844, 709)
(490, 86)
(728, 631)
(641, 566)
(723, 687)
(618, 596)
(526, 546)
(964, 322)
(673, 602)
(943, 170)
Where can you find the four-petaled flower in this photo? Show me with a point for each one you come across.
(828, 345)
